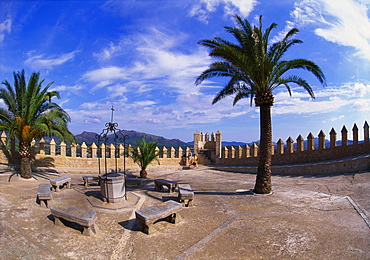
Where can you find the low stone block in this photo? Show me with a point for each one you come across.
(186, 194)
(138, 182)
(43, 195)
(171, 185)
(83, 217)
(60, 182)
(88, 179)
(147, 216)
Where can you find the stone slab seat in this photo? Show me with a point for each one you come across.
(147, 216)
(83, 217)
(186, 194)
(43, 195)
(61, 181)
(88, 179)
(171, 185)
(138, 182)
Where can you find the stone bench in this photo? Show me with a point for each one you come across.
(186, 194)
(61, 181)
(147, 216)
(159, 183)
(138, 182)
(83, 217)
(43, 195)
(88, 179)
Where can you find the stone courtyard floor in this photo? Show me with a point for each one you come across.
(306, 217)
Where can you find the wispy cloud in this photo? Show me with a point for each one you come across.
(154, 59)
(336, 118)
(42, 61)
(345, 23)
(107, 75)
(5, 27)
(108, 52)
(353, 96)
(69, 90)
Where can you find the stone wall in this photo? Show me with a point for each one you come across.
(83, 159)
(340, 166)
(312, 150)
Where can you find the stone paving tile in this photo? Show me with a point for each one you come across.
(305, 218)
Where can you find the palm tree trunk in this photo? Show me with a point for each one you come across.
(25, 153)
(143, 174)
(263, 179)
(26, 171)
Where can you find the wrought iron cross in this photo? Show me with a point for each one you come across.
(111, 119)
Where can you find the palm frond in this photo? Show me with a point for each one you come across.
(144, 153)
(30, 111)
(252, 64)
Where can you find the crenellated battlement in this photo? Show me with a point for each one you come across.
(289, 152)
(83, 158)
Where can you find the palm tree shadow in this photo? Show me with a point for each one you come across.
(13, 158)
(45, 162)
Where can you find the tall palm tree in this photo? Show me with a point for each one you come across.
(143, 154)
(31, 114)
(255, 68)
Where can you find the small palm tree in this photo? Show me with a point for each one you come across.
(143, 154)
(256, 68)
(31, 114)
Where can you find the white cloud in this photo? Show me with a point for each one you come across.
(299, 106)
(351, 96)
(92, 121)
(145, 103)
(231, 7)
(345, 23)
(5, 27)
(90, 105)
(361, 105)
(360, 90)
(108, 52)
(185, 110)
(154, 60)
(336, 118)
(106, 75)
(42, 62)
(74, 88)
(117, 90)
(242, 7)
(201, 14)
(154, 121)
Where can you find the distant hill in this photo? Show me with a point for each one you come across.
(90, 137)
(234, 143)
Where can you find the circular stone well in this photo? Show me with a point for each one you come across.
(112, 187)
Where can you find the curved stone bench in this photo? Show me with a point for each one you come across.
(61, 181)
(83, 217)
(88, 179)
(159, 183)
(147, 216)
(186, 194)
(43, 195)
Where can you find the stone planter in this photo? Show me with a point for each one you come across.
(112, 187)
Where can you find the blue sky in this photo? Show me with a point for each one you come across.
(141, 57)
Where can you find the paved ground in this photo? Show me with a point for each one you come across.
(305, 218)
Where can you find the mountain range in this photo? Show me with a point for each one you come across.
(131, 137)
